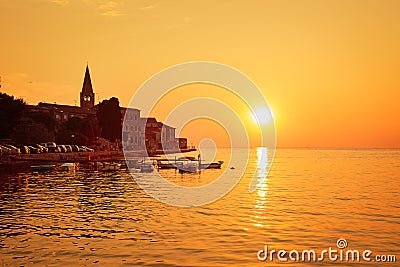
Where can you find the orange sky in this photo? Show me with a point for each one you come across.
(329, 69)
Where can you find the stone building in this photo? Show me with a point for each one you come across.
(158, 135)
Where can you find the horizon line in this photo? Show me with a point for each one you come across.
(305, 147)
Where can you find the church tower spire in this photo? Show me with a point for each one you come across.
(87, 95)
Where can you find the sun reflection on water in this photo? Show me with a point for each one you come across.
(259, 218)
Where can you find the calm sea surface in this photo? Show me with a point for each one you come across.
(310, 199)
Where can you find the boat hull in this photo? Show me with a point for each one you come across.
(42, 168)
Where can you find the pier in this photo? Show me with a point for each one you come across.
(12, 163)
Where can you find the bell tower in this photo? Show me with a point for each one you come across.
(87, 95)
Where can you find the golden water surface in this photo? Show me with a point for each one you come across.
(310, 199)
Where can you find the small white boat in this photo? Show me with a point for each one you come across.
(108, 167)
(146, 167)
(69, 167)
(189, 167)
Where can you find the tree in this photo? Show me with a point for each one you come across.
(11, 110)
(34, 127)
(90, 128)
(78, 131)
(109, 119)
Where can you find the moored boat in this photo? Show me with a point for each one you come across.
(42, 168)
(212, 165)
(69, 167)
(107, 166)
(146, 167)
(162, 164)
(189, 167)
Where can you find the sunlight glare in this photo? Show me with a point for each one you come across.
(262, 116)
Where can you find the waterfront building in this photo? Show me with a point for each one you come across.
(139, 133)
(133, 136)
(158, 135)
(182, 143)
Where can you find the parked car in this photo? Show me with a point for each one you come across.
(62, 148)
(49, 144)
(54, 149)
(85, 149)
(14, 150)
(75, 148)
(34, 150)
(43, 149)
(6, 150)
(68, 147)
(24, 149)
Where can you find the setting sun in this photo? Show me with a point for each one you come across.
(199, 133)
